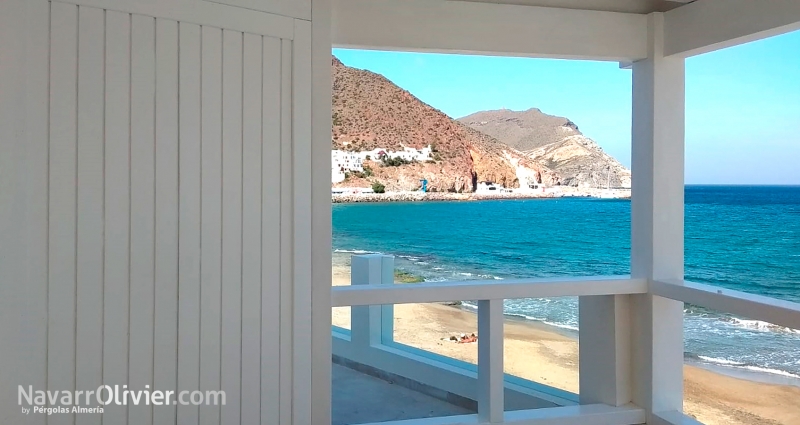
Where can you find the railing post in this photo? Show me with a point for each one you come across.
(604, 349)
(490, 361)
(387, 310)
(368, 323)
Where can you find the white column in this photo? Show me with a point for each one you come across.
(490, 361)
(657, 223)
(604, 349)
(367, 323)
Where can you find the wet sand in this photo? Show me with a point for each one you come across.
(540, 353)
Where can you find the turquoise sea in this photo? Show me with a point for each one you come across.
(738, 237)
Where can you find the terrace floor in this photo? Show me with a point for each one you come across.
(358, 398)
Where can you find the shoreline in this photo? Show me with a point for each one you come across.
(547, 354)
(417, 196)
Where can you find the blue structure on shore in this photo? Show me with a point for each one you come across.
(424, 185)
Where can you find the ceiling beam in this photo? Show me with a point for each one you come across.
(488, 29)
(707, 25)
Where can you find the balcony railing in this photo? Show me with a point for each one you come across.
(372, 295)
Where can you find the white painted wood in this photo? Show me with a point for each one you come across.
(211, 218)
(89, 297)
(343, 296)
(595, 414)
(704, 26)
(491, 29)
(119, 204)
(116, 318)
(758, 307)
(490, 361)
(24, 162)
(142, 296)
(62, 229)
(321, 211)
(231, 224)
(251, 229)
(604, 349)
(302, 185)
(430, 370)
(287, 240)
(189, 256)
(365, 321)
(13, 204)
(271, 291)
(201, 12)
(387, 310)
(292, 8)
(673, 417)
(165, 345)
(657, 223)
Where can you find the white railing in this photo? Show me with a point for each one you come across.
(372, 295)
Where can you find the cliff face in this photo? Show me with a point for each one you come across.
(554, 142)
(370, 112)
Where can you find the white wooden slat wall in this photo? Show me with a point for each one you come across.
(62, 200)
(165, 346)
(167, 229)
(89, 320)
(211, 220)
(142, 260)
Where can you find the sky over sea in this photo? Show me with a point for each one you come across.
(742, 103)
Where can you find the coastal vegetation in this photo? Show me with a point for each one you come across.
(377, 187)
(401, 276)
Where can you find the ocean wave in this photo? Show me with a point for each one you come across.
(762, 326)
(724, 362)
(545, 321)
(355, 251)
(771, 371)
(740, 365)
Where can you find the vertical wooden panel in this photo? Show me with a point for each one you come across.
(231, 223)
(301, 183)
(189, 218)
(211, 225)
(321, 88)
(62, 233)
(271, 232)
(165, 347)
(34, 347)
(287, 242)
(117, 209)
(251, 230)
(143, 85)
(89, 338)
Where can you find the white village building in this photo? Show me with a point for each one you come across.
(166, 209)
(343, 162)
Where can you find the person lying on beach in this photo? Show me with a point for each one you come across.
(467, 339)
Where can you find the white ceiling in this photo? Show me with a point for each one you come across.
(625, 6)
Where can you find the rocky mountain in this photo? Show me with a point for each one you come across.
(370, 112)
(554, 142)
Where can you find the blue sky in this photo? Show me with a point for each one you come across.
(742, 103)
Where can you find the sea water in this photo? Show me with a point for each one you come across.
(737, 237)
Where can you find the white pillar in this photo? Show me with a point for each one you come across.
(604, 349)
(490, 361)
(368, 324)
(657, 223)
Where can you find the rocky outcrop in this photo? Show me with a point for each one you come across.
(554, 142)
(370, 112)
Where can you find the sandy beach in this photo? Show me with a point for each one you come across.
(542, 354)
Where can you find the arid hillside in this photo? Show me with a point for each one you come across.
(554, 142)
(370, 112)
